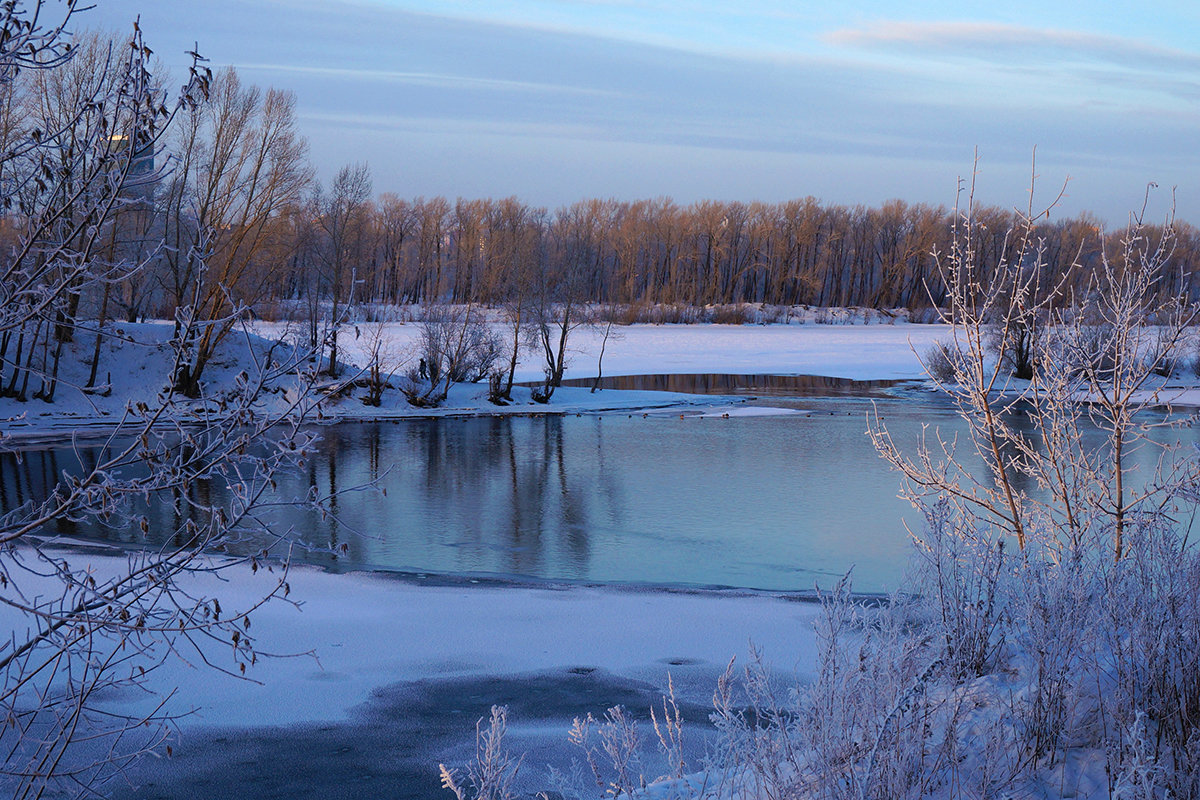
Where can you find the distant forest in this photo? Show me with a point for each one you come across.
(340, 244)
(219, 203)
(657, 251)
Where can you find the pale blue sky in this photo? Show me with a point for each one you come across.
(852, 102)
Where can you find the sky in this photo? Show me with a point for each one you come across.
(851, 102)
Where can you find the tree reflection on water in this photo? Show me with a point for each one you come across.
(735, 384)
(759, 502)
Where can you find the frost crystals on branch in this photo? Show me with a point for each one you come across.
(73, 175)
(1095, 356)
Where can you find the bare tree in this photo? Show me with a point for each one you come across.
(605, 318)
(342, 216)
(384, 359)
(560, 290)
(83, 632)
(516, 249)
(432, 240)
(395, 282)
(1096, 363)
(240, 164)
(74, 165)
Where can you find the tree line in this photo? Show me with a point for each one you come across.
(340, 246)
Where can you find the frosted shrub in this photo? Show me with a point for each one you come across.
(610, 747)
(733, 314)
(960, 569)
(1163, 356)
(665, 314)
(491, 775)
(872, 725)
(1089, 348)
(1141, 776)
(756, 750)
(864, 723)
(928, 315)
(939, 361)
(1052, 636)
(1152, 639)
(669, 731)
(456, 344)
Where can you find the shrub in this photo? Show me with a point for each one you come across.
(491, 775)
(941, 361)
(456, 344)
(735, 314)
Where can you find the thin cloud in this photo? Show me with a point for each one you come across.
(399, 122)
(994, 41)
(424, 79)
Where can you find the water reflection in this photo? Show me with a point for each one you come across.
(766, 502)
(775, 502)
(31, 476)
(490, 494)
(723, 383)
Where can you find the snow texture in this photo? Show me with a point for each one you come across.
(137, 365)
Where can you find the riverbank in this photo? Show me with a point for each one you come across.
(136, 365)
(377, 680)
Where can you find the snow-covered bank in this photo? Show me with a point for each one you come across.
(136, 366)
(354, 639)
(366, 631)
(347, 643)
(856, 352)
